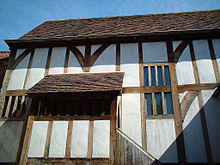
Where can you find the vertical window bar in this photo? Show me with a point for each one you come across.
(167, 76)
(160, 77)
(154, 104)
(38, 109)
(8, 107)
(149, 75)
(164, 103)
(169, 102)
(158, 99)
(146, 77)
(149, 105)
(163, 74)
(153, 76)
(156, 75)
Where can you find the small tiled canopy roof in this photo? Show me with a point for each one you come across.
(4, 54)
(123, 25)
(78, 83)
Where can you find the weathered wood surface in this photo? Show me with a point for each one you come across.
(63, 161)
(129, 152)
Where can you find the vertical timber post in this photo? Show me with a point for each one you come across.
(113, 132)
(176, 105)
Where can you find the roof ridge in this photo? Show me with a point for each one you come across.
(189, 21)
(4, 51)
(109, 17)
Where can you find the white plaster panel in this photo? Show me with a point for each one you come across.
(38, 66)
(101, 138)
(18, 75)
(106, 62)
(10, 132)
(130, 64)
(58, 139)
(154, 52)
(216, 45)
(94, 48)
(203, 61)
(184, 69)
(80, 132)
(161, 139)
(73, 65)
(18, 52)
(57, 60)
(131, 116)
(38, 139)
(212, 113)
(193, 135)
(181, 96)
(81, 49)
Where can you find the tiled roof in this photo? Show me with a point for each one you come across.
(4, 54)
(137, 24)
(78, 83)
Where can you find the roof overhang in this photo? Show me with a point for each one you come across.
(113, 38)
(78, 84)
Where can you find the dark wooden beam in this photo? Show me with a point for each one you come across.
(214, 62)
(118, 57)
(187, 101)
(123, 38)
(47, 67)
(142, 98)
(21, 57)
(78, 55)
(179, 50)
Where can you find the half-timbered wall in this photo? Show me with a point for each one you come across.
(10, 132)
(157, 135)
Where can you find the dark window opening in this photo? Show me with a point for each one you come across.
(74, 107)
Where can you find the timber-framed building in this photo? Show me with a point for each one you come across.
(140, 89)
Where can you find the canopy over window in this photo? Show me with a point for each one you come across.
(83, 83)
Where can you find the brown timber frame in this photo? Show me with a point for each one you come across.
(87, 61)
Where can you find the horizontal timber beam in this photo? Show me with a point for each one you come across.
(154, 89)
(197, 87)
(181, 88)
(106, 117)
(16, 93)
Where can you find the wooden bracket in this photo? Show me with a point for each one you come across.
(88, 60)
(187, 101)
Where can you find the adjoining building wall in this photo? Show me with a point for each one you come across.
(10, 133)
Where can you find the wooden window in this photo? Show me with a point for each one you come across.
(157, 78)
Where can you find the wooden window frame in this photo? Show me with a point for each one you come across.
(157, 89)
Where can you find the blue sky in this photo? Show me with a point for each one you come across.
(17, 17)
